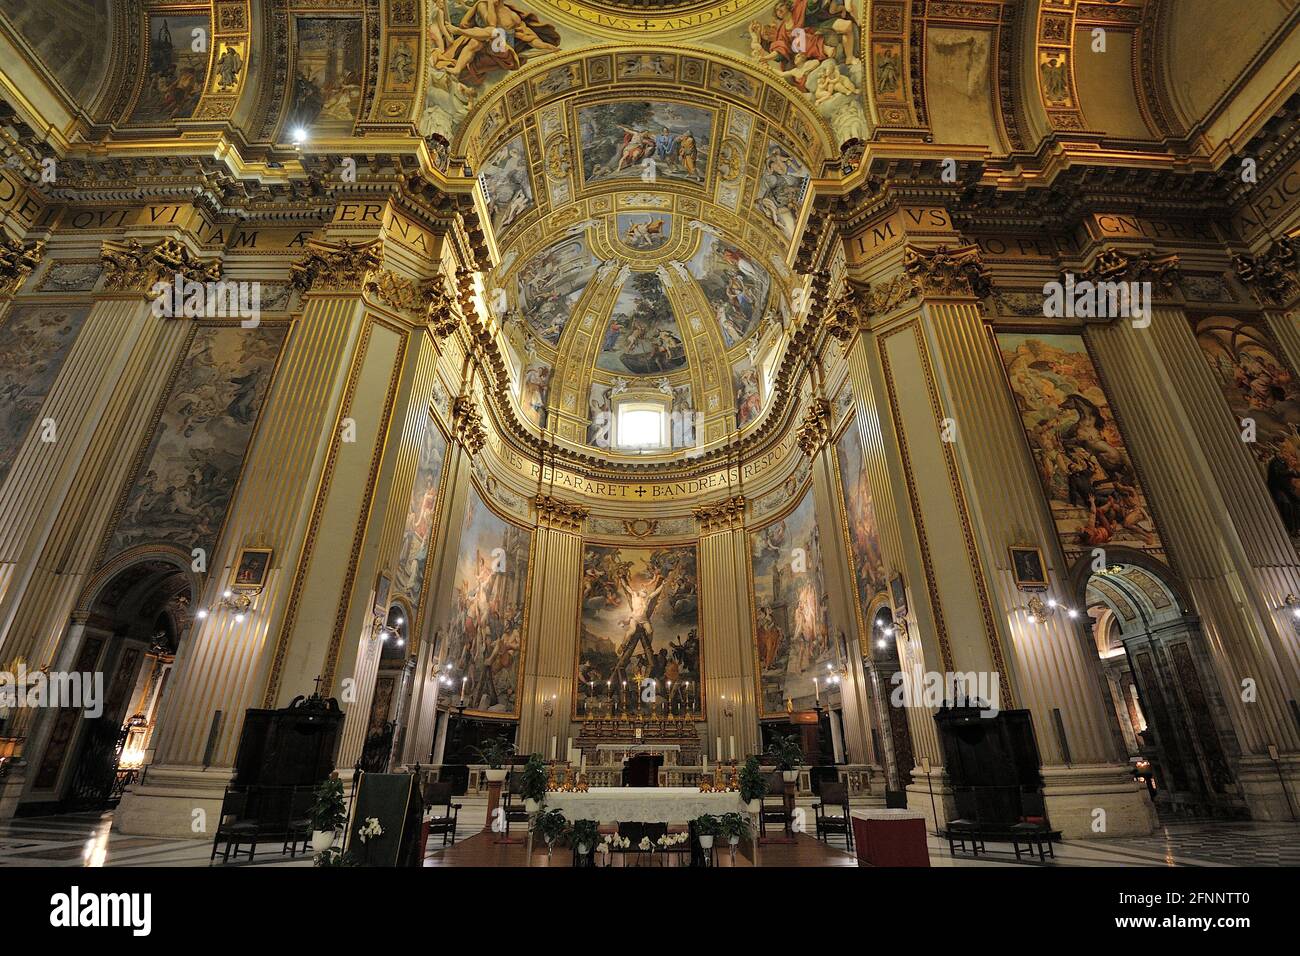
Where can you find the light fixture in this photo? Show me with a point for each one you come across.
(1292, 603)
(1040, 611)
(298, 136)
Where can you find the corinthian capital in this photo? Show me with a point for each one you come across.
(945, 271)
(17, 260)
(335, 265)
(726, 514)
(561, 515)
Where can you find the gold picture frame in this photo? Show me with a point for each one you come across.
(1028, 567)
(251, 568)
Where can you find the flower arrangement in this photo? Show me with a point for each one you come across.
(616, 842)
(669, 840)
(372, 828)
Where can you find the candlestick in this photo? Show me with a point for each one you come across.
(553, 742)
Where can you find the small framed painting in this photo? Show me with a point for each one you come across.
(1028, 567)
(251, 568)
(898, 596)
(383, 588)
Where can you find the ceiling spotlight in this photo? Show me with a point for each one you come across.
(298, 136)
(400, 621)
(201, 613)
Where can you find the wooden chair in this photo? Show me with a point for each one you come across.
(834, 794)
(513, 808)
(439, 795)
(772, 809)
(233, 825)
(298, 826)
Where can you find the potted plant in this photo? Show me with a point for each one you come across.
(733, 826)
(495, 752)
(753, 785)
(551, 825)
(533, 783)
(787, 753)
(328, 814)
(584, 834)
(706, 828)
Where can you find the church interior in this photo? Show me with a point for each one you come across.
(649, 433)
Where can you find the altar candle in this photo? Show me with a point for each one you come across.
(817, 690)
(721, 755)
(463, 682)
(552, 747)
(733, 748)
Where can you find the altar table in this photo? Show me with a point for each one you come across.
(643, 804)
(890, 837)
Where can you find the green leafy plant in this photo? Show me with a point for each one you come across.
(551, 826)
(329, 812)
(584, 833)
(495, 752)
(785, 750)
(336, 857)
(753, 784)
(708, 825)
(533, 782)
(733, 825)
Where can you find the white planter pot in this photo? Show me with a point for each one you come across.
(789, 776)
(706, 842)
(733, 840)
(582, 849)
(531, 805)
(321, 840)
(753, 806)
(496, 775)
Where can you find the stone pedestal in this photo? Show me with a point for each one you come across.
(177, 802)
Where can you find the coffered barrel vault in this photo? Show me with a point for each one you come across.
(482, 365)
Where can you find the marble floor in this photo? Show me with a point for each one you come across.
(88, 840)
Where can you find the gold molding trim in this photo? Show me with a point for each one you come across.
(467, 424)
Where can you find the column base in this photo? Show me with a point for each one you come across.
(1074, 795)
(164, 804)
(1271, 790)
(12, 785)
(931, 796)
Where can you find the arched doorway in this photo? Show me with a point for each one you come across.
(389, 702)
(1163, 689)
(891, 738)
(127, 634)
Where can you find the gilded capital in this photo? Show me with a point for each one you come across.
(131, 266)
(343, 265)
(1274, 277)
(948, 272)
(815, 430)
(17, 260)
(1112, 265)
(725, 515)
(560, 515)
(468, 424)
